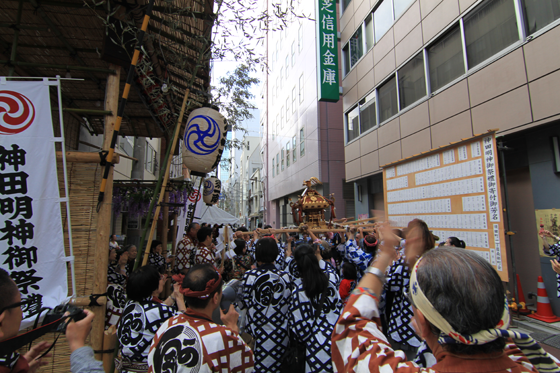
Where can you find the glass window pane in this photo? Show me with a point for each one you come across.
(400, 6)
(294, 148)
(445, 59)
(539, 13)
(356, 47)
(346, 58)
(387, 100)
(412, 82)
(382, 19)
(367, 113)
(491, 27)
(353, 124)
(345, 4)
(369, 32)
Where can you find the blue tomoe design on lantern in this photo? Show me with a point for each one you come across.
(208, 187)
(201, 136)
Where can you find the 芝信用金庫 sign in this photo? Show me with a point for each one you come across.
(327, 52)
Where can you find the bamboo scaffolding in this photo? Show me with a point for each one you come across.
(165, 180)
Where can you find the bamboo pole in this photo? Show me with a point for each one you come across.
(165, 224)
(165, 178)
(84, 157)
(175, 218)
(104, 218)
(226, 247)
(109, 342)
(359, 221)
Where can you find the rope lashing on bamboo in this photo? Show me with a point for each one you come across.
(122, 103)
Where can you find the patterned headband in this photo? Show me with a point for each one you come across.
(531, 349)
(211, 286)
(368, 244)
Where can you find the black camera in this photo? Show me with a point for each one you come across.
(74, 313)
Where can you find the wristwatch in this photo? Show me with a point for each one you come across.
(376, 272)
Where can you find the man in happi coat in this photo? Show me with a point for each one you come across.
(186, 249)
(266, 295)
(192, 342)
(460, 310)
(205, 252)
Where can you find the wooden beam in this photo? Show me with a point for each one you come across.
(85, 301)
(84, 157)
(104, 216)
(62, 67)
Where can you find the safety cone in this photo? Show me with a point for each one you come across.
(522, 303)
(544, 310)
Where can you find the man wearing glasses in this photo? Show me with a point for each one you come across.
(11, 314)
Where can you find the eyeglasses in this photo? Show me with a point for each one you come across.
(23, 302)
(409, 297)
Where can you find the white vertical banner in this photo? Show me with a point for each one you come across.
(192, 212)
(31, 238)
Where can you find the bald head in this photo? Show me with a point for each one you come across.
(196, 279)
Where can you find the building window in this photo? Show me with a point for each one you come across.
(345, 4)
(368, 116)
(400, 6)
(282, 159)
(294, 149)
(353, 124)
(287, 65)
(150, 158)
(277, 164)
(281, 77)
(540, 13)
(346, 59)
(282, 117)
(382, 19)
(445, 59)
(294, 102)
(288, 154)
(491, 27)
(356, 47)
(272, 166)
(300, 37)
(293, 53)
(273, 129)
(369, 32)
(287, 109)
(301, 143)
(412, 82)
(387, 100)
(301, 88)
(248, 146)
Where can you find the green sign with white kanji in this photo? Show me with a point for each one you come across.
(327, 51)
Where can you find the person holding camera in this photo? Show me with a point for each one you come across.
(11, 315)
(192, 342)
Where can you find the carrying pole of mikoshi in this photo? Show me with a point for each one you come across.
(122, 103)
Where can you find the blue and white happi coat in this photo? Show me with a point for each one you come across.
(555, 250)
(138, 326)
(400, 315)
(266, 295)
(315, 333)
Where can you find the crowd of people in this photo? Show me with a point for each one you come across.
(356, 300)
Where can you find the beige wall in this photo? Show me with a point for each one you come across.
(517, 90)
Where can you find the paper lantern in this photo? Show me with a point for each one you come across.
(212, 189)
(204, 140)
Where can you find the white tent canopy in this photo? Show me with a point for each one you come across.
(215, 215)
